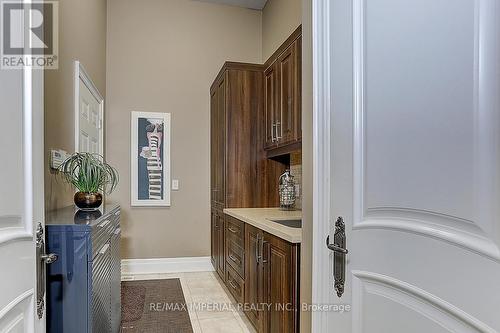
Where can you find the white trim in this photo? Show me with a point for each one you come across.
(166, 265)
(321, 160)
(134, 201)
(81, 74)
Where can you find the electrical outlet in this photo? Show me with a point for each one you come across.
(175, 184)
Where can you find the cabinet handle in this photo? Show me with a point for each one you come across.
(233, 285)
(234, 231)
(257, 257)
(264, 261)
(273, 129)
(233, 258)
(279, 137)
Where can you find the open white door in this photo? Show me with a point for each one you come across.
(407, 130)
(21, 204)
(89, 113)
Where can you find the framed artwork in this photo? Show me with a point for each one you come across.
(150, 159)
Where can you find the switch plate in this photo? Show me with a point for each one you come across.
(57, 156)
(175, 184)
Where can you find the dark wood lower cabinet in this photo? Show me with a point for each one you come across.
(281, 284)
(270, 285)
(254, 278)
(217, 243)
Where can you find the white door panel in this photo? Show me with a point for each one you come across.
(21, 204)
(414, 164)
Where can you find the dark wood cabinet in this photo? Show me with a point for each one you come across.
(281, 285)
(217, 242)
(271, 279)
(282, 94)
(254, 278)
(270, 105)
(237, 154)
(235, 245)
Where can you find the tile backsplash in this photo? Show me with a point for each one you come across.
(296, 171)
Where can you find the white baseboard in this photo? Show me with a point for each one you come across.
(166, 265)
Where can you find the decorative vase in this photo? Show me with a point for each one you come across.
(88, 201)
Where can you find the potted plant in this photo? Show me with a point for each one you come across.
(91, 176)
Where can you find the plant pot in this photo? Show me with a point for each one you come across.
(88, 201)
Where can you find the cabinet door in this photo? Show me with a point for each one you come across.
(101, 290)
(115, 305)
(254, 278)
(281, 284)
(213, 238)
(270, 104)
(221, 141)
(288, 113)
(213, 145)
(221, 258)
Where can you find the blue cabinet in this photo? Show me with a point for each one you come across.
(83, 285)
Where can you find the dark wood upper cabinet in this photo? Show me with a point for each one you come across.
(270, 104)
(282, 89)
(285, 122)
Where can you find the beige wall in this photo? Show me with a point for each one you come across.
(307, 158)
(82, 36)
(162, 57)
(279, 19)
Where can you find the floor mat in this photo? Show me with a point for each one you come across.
(152, 306)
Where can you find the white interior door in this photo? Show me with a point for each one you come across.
(89, 107)
(408, 121)
(21, 204)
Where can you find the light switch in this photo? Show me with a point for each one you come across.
(175, 184)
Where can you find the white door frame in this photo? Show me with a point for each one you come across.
(322, 218)
(81, 74)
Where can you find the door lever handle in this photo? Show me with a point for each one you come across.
(339, 253)
(335, 247)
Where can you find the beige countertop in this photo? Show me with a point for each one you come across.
(261, 218)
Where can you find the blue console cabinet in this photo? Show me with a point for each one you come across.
(83, 285)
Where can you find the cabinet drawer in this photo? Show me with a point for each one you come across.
(235, 284)
(235, 229)
(235, 256)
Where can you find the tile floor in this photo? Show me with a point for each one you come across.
(203, 288)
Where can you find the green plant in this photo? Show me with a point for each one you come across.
(89, 173)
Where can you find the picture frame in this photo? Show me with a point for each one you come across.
(150, 159)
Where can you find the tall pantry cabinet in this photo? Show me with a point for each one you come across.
(237, 155)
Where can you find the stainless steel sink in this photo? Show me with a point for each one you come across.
(289, 223)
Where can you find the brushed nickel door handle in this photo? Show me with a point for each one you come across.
(334, 247)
